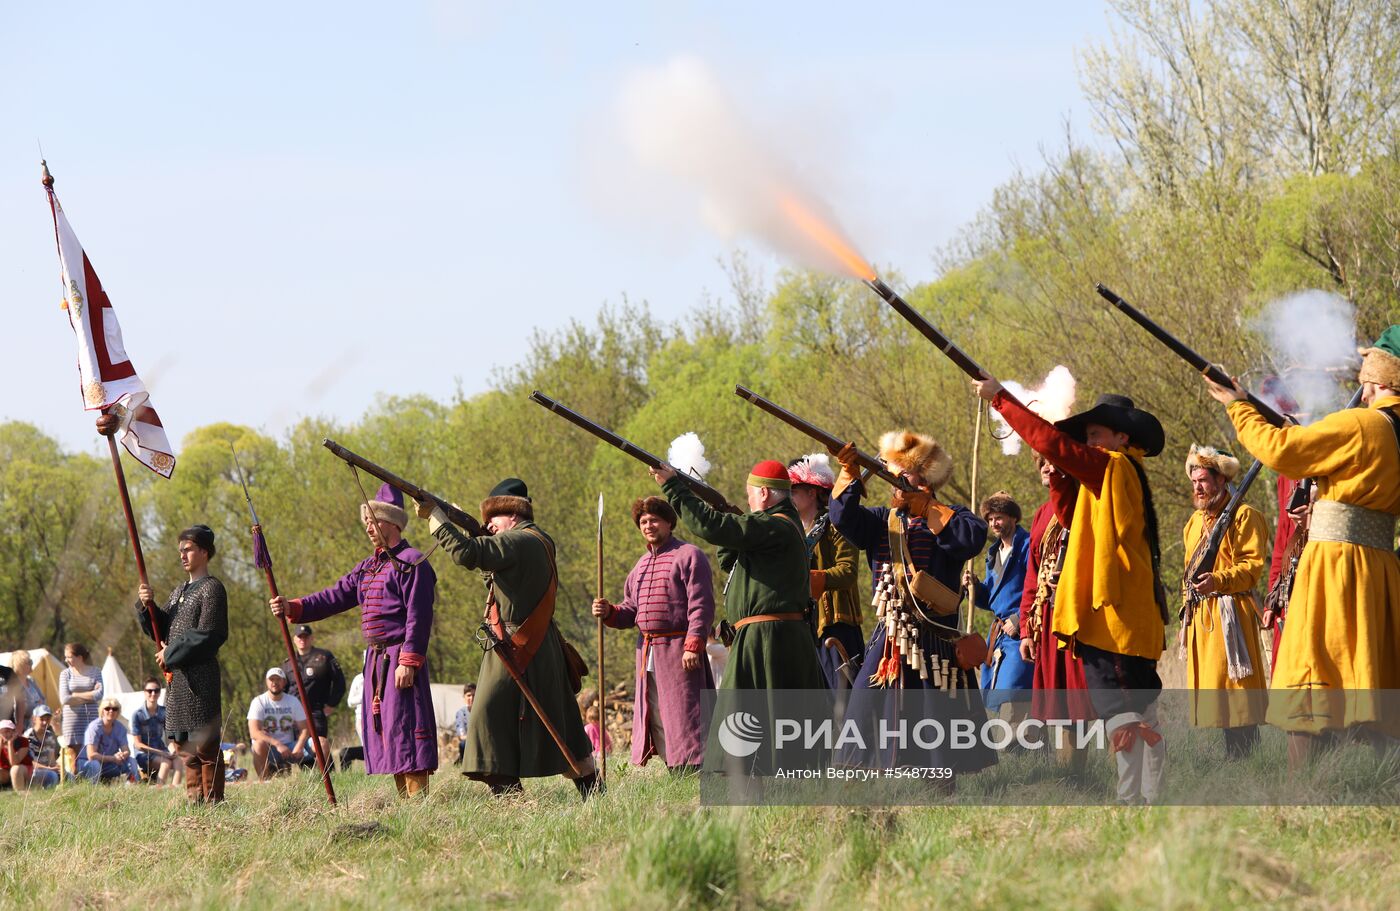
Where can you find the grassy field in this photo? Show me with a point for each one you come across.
(648, 844)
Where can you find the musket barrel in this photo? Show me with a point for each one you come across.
(1211, 371)
(702, 490)
(829, 440)
(455, 514)
(927, 329)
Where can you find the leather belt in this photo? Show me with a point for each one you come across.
(769, 618)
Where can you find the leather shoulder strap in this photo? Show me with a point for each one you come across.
(528, 638)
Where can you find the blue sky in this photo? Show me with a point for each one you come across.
(298, 206)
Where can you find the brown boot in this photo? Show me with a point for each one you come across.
(401, 784)
(213, 779)
(416, 784)
(194, 780)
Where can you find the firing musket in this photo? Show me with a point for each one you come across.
(700, 488)
(940, 341)
(873, 466)
(262, 559)
(1209, 370)
(1205, 558)
(455, 514)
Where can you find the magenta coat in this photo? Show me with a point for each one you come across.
(669, 597)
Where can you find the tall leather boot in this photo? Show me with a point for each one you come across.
(416, 784)
(213, 775)
(194, 780)
(401, 784)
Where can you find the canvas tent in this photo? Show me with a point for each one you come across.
(46, 671)
(447, 699)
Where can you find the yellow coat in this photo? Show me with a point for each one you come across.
(1342, 635)
(1105, 598)
(1216, 700)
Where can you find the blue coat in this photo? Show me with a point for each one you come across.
(1002, 596)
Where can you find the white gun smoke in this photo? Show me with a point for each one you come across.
(1052, 399)
(1311, 336)
(687, 456)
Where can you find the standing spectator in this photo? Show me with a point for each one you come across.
(24, 694)
(79, 690)
(463, 718)
(320, 671)
(43, 748)
(148, 735)
(593, 727)
(353, 699)
(278, 729)
(108, 758)
(16, 765)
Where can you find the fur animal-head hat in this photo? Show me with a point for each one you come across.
(1381, 362)
(387, 506)
(509, 498)
(902, 450)
(1212, 459)
(1000, 502)
(813, 470)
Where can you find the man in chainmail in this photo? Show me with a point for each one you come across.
(193, 624)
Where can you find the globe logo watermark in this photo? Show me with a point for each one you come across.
(741, 734)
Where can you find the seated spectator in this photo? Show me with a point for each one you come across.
(278, 729)
(156, 762)
(108, 758)
(463, 718)
(232, 771)
(43, 748)
(16, 765)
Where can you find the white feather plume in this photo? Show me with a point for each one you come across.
(1053, 400)
(687, 455)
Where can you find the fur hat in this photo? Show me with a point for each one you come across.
(1212, 459)
(1381, 362)
(654, 506)
(509, 498)
(770, 473)
(813, 470)
(902, 450)
(1000, 502)
(388, 506)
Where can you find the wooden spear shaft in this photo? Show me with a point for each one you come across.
(602, 687)
(976, 452)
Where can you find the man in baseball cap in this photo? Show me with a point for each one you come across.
(278, 729)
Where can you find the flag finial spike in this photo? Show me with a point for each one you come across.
(47, 179)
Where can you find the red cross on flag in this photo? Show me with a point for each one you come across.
(107, 378)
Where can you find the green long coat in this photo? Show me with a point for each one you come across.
(505, 736)
(766, 555)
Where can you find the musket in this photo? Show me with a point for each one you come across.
(701, 489)
(455, 514)
(1205, 559)
(262, 559)
(1209, 370)
(490, 641)
(832, 442)
(927, 330)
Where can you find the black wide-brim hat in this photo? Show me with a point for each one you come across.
(1117, 412)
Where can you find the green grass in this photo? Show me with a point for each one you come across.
(648, 844)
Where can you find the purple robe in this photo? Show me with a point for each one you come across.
(669, 597)
(396, 617)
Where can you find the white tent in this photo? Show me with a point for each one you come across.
(114, 679)
(447, 699)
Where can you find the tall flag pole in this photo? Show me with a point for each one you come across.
(107, 379)
(262, 559)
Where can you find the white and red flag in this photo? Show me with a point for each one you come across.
(108, 380)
